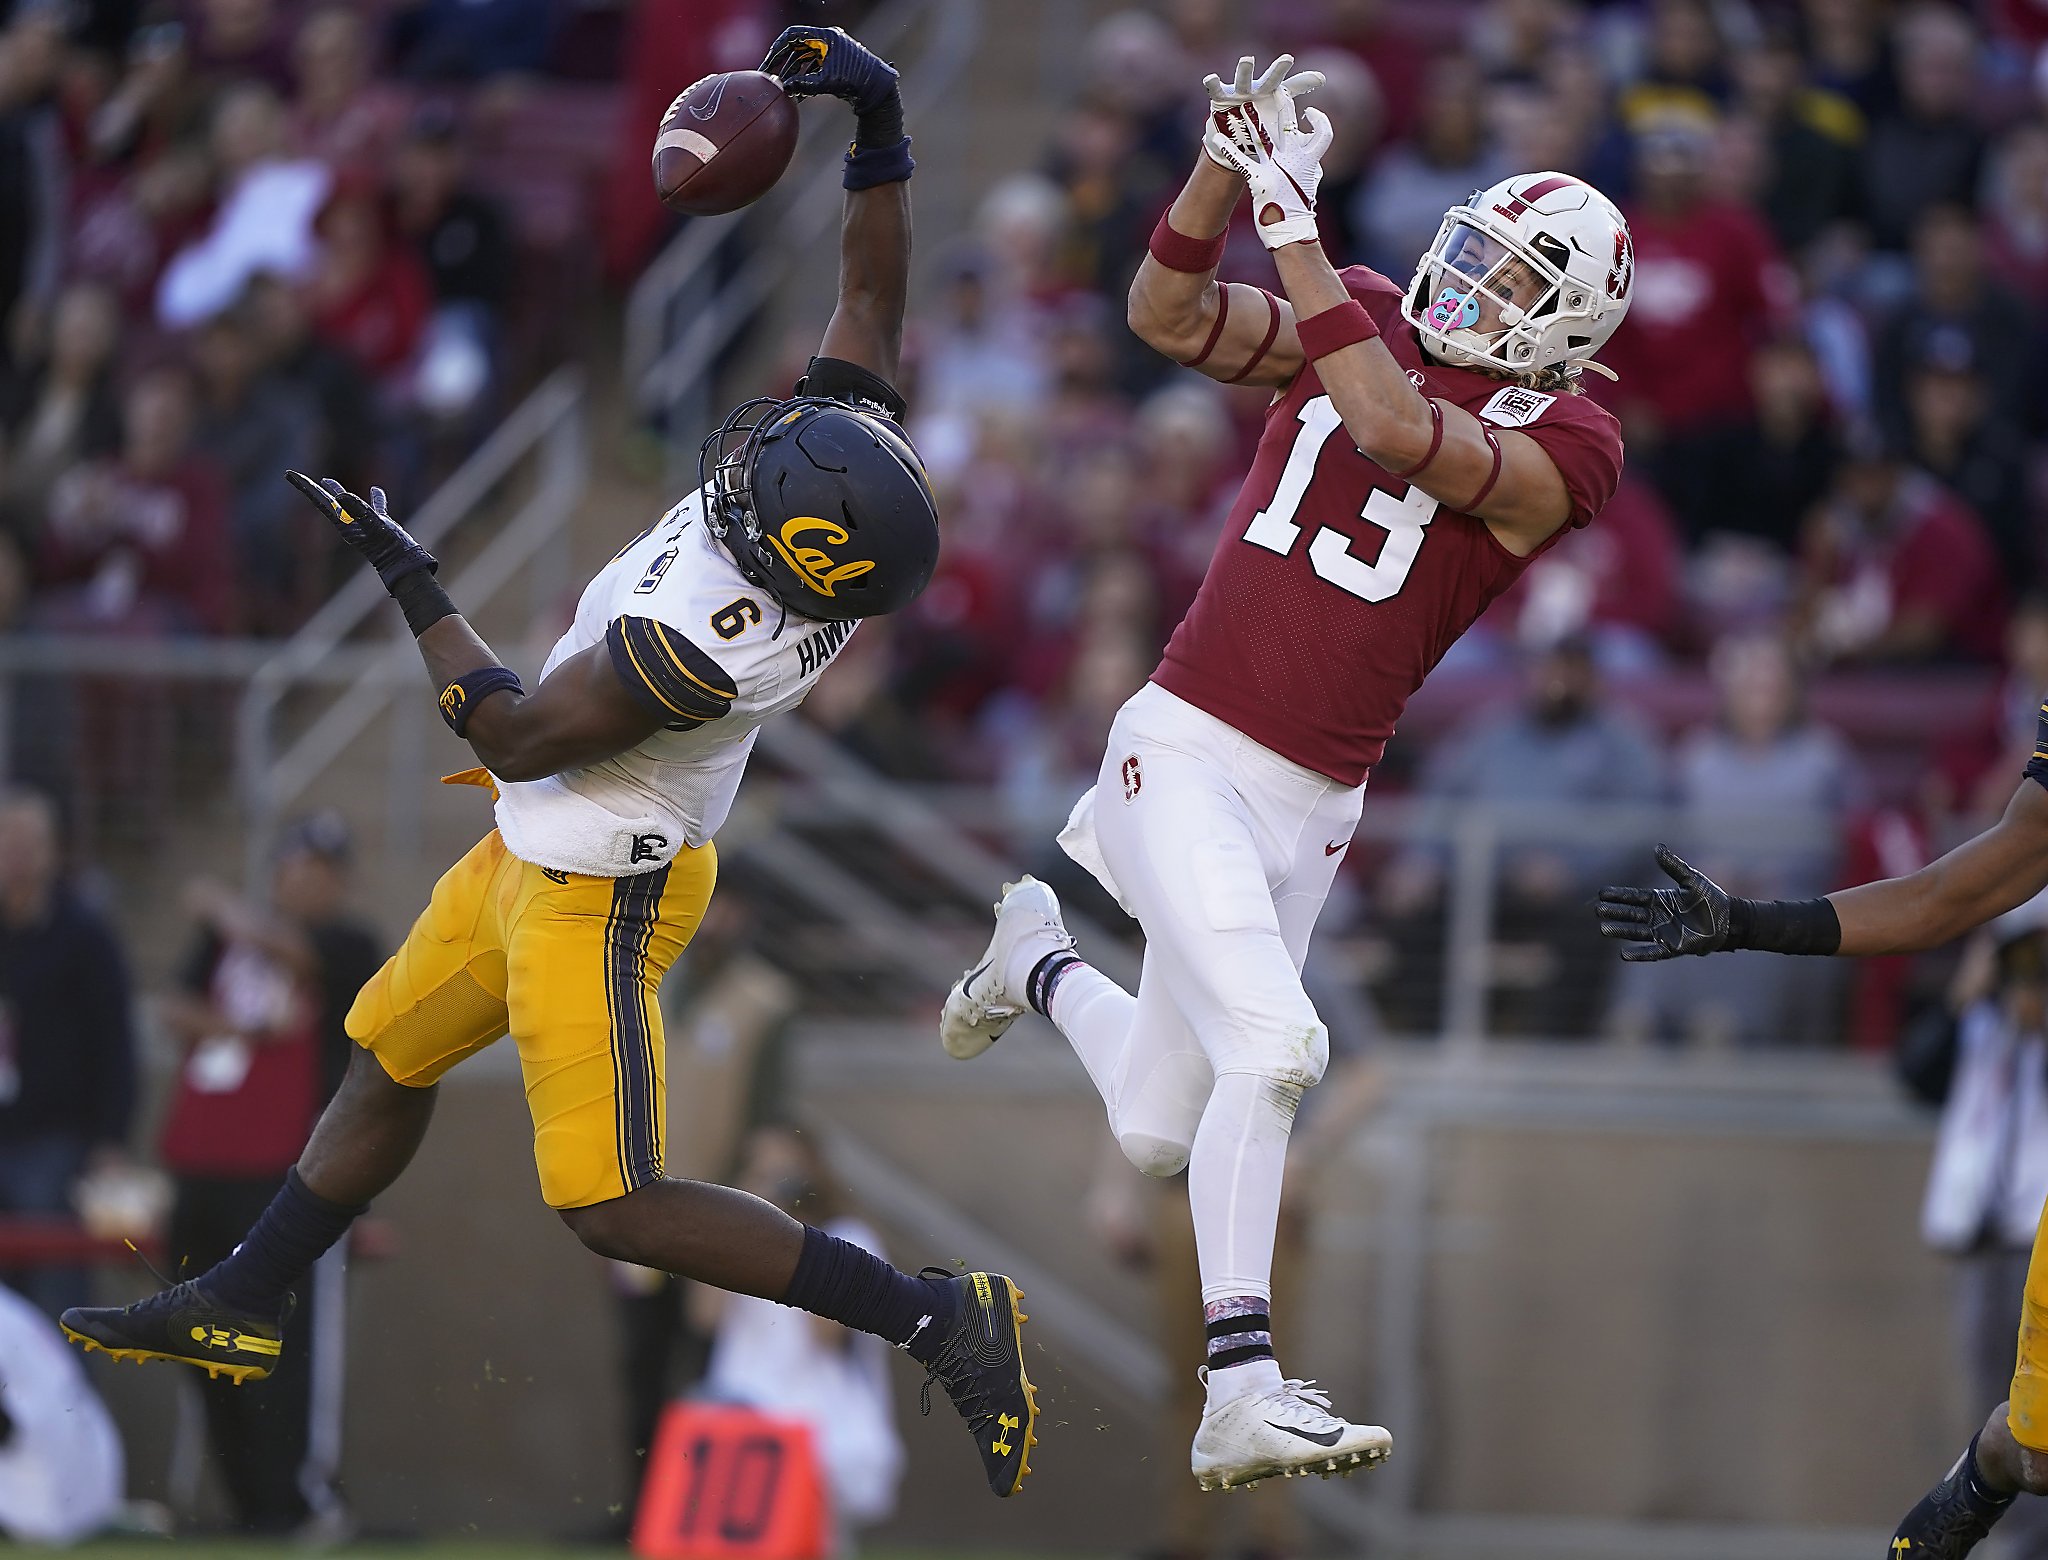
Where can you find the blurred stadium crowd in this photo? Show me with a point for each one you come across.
(241, 235)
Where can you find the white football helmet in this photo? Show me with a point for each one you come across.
(1552, 257)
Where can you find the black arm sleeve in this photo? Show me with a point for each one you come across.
(859, 388)
(2037, 766)
(669, 675)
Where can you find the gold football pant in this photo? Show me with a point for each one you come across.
(2028, 1415)
(569, 966)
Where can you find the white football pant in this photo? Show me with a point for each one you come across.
(1225, 852)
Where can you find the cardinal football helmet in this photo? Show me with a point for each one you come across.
(1556, 258)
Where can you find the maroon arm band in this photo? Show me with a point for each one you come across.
(1492, 476)
(1343, 325)
(1216, 330)
(1265, 346)
(1177, 252)
(1436, 441)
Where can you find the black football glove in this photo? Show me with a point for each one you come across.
(367, 526)
(1662, 923)
(828, 62)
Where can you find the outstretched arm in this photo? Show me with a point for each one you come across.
(1231, 332)
(1983, 877)
(582, 712)
(1234, 333)
(1504, 478)
(1441, 448)
(866, 328)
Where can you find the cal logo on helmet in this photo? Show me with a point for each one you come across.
(810, 560)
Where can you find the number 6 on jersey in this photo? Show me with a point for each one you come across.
(1329, 554)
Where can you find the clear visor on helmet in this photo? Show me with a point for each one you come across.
(1477, 283)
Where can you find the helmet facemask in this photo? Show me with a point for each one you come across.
(725, 474)
(1485, 297)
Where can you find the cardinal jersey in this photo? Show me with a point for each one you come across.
(698, 643)
(1335, 587)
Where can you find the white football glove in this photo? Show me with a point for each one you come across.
(1263, 93)
(1282, 163)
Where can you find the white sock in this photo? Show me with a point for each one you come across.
(1234, 1176)
(1094, 1013)
(1238, 1381)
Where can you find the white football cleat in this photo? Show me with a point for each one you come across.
(981, 1004)
(1286, 1433)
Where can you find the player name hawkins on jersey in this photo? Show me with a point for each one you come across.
(697, 641)
(815, 651)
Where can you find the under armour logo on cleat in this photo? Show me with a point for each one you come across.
(1005, 1423)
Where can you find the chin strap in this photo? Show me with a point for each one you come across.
(1588, 366)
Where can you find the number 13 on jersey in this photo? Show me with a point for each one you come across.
(1329, 552)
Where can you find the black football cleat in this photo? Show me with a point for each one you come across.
(181, 1323)
(981, 1366)
(1948, 1522)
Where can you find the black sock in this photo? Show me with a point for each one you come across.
(839, 1281)
(1045, 978)
(293, 1233)
(1980, 1497)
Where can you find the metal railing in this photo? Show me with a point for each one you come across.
(547, 427)
(968, 839)
(681, 316)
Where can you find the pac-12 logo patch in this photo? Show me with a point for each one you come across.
(1515, 407)
(1134, 778)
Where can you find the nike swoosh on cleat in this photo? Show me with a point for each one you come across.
(1335, 846)
(974, 974)
(1327, 1438)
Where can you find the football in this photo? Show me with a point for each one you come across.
(723, 143)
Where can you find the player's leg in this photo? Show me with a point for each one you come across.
(1999, 1464)
(1200, 855)
(1139, 1052)
(586, 958)
(440, 998)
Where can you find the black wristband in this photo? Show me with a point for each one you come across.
(880, 126)
(1784, 925)
(868, 166)
(420, 597)
(461, 697)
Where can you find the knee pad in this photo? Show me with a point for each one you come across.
(1156, 1156)
(1296, 1055)
(1156, 1115)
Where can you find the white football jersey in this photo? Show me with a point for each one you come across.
(681, 599)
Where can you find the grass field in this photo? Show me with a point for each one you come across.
(226, 1548)
(237, 1549)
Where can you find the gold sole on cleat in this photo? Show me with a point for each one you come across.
(1018, 1317)
(238, 1374)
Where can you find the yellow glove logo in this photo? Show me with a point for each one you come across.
(813, 563)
